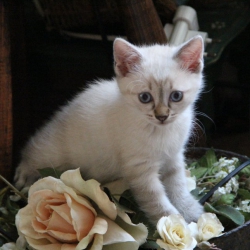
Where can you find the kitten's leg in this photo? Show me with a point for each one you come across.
(149, 193)
(25, 175)
(174, 180)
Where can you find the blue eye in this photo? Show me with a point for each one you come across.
(145, 97)
(176, 96)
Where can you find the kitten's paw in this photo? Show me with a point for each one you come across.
(25, 176)
(193, 211)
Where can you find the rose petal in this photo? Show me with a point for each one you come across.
(91, 189)
(193, 229)
(165, 245)
(48, 183)
(39, 200)
(177, 235)
(23, 223)
(63, 237)
(100, 227)
(138, 231)
(117, 187)
(83, 218)
(161, 226)
(43, 245)
(115, 234)
(64, 212)
(97, 242)
(38, 226)
(62, 230)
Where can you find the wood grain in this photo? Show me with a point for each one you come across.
(5, 96)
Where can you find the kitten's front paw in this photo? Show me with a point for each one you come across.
(25, 176)
(193, 211)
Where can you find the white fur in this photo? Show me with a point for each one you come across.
(107, 132)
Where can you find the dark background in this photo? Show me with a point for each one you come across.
(57, 67)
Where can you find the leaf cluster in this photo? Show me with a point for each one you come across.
(226, 207)
(8, 211)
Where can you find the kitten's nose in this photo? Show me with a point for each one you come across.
(161, 118)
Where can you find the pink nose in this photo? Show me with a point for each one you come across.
(162, 118)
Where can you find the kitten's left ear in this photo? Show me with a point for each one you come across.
(190, 55)
(127, 58)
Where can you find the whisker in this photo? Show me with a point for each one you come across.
(206, 116)
(197, 132)
(208, 91)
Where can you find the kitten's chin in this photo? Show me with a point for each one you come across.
(162, 124)
(159, 123)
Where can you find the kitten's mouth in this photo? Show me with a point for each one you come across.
(160, 120)
(163, 123)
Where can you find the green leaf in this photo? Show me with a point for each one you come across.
(198, 193)
(245, 194)
(2, 194)
(245, 171)
(45, 172)
(226, 199)
(246, 215)
(198, 172)
(226, 211)
(149, 245)
(127, 200)
(117, 203)
(208, 159)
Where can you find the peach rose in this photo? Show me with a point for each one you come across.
(70, 213)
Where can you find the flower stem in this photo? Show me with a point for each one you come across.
(13, 188)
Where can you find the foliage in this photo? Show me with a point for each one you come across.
(9, 206)
(231, 202)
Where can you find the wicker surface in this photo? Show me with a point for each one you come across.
(147, 28)
(76, 15)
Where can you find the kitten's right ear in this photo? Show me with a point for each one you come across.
(190, 55)
(127, 58)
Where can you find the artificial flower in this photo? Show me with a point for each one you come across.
(72, 214)
(244, 206)
(208, 226)
(9, 246)
(175, 233)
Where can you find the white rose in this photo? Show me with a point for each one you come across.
(175, 233)
(9, 246)
(207, 227)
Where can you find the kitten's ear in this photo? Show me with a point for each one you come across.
(190, 55)
(127, 58)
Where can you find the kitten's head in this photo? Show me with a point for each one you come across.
(159, 81)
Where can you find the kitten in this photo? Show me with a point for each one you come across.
(134, 126)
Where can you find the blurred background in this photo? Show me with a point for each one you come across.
(47, 67)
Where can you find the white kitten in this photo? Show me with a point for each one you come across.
(134, 126)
